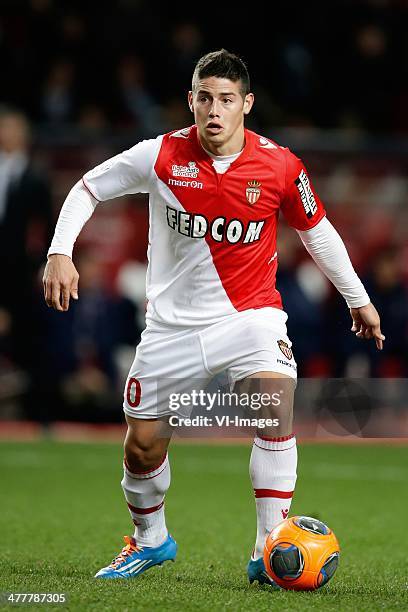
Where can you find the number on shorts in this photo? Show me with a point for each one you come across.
(134, 387)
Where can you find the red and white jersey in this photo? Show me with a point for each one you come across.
(212, 237)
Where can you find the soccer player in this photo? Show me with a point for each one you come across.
(216, 190)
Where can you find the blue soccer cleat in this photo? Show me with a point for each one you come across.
(256, 571)
(134, 559)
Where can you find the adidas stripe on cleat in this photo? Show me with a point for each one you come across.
(134, 560)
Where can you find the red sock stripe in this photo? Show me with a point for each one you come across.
(145, 510)
(274, 450)
(283, 439)
(153, 469)
(273, 493)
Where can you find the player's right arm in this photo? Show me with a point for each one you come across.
(126, 173)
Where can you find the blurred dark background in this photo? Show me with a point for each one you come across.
(81, 81)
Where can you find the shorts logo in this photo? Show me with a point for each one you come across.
(285, 348)
(306, 194)
(190, 171)
(253, 191)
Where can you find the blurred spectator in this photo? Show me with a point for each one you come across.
(77, 371)
(390, 296)
(346, 71)
(297, 79)
(186, 48)
(386, 288)
(137, 104)
(58, 96)
(176, 114)
(92, 120)
(371, 77)
(304, 291)
(25, 229)
(73, 35)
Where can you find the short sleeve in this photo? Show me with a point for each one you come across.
(128, 172)
(301, 206)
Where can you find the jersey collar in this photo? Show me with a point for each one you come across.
(204, 157)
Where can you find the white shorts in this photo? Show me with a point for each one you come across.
(171, 360)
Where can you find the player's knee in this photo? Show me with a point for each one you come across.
(142, 455)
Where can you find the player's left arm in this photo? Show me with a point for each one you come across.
(329, 252)
(305, 212)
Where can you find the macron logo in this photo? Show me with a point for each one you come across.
(180, 183)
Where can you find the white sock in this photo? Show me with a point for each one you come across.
(144, 493)
(273, 475)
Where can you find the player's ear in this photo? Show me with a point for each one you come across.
(190, 101)
(248, 103)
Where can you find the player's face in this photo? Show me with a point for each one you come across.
(219, 109)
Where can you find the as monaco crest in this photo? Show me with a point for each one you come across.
(253, 191)
(286, 350)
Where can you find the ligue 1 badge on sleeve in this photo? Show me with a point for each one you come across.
(253, 191)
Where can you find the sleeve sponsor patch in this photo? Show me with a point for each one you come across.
(306, 194)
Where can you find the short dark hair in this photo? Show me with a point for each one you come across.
(224, 65)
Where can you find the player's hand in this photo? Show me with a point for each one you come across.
(60, 282)
(366, 324)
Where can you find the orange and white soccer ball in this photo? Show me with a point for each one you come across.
(301, 554)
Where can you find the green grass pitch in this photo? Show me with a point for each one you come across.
(63, 517)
